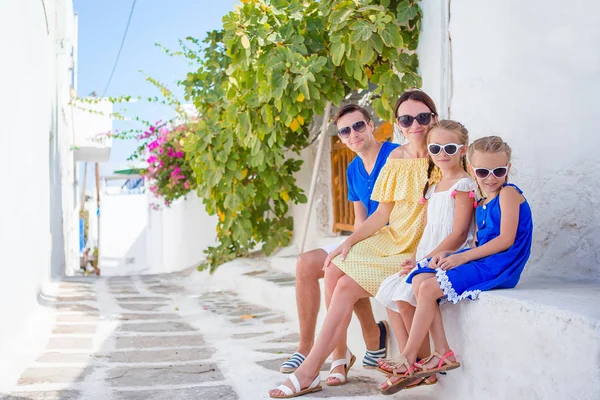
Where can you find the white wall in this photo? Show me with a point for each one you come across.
(179, 234)
(123, 230)
(530, 72)
(32, 164)
(136, 239)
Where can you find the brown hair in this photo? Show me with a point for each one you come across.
(350, 108)
(463, 136)
(416, 95)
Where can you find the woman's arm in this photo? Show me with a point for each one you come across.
(463, 217)
(510, 202)
(374, 223)
(360, 214)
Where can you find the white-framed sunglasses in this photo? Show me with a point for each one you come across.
(499, 172)
(450, 148)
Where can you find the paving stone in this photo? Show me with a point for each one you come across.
(171, 355)
(357, 386)
(122, 292)
(142, 307)
(138, 299)
(75, 307)
(133, 317)
(249, 335)
(166, 289)
(172, 375)
(256, 273)
(156, 327)
(80, 285)
(141, 342)
(291, 338)
(59, 329)
(70, 343)
(277, 320)
(66, 358)
(54, 395)
(71, 299)
(247, 310)
(286, 350)
(212, 393)
(91, 317)
(286, 279)
(54, 375)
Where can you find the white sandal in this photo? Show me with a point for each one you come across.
(348, 362)
(289, 393)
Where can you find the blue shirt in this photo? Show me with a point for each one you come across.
(360, 183)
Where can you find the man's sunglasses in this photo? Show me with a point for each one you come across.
(499, 172)
(406, 121)
(358, 126)
(450, 148)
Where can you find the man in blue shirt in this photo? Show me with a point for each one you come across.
(355, 129)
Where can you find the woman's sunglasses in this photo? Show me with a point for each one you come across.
(499, 172)
(406, 121)
(358, 126)
(450, 148)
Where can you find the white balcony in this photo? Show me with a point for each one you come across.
(92, 124)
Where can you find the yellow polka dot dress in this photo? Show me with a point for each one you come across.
(371, 261)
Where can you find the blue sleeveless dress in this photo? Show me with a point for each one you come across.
(500, 270)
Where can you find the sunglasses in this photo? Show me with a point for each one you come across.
(499, 172)
(450, 148)
(358, 126)
(406, 121)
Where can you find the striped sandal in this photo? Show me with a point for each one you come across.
(298, 391)
(292, 363)
(371, 357)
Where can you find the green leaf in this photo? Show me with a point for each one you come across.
(337, 52)
(361, 31)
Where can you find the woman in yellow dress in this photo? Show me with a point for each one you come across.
(376, 250)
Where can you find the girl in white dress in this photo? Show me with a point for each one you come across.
(450, 225)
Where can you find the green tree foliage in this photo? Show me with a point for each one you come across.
(259, 83)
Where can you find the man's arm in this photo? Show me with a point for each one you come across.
(360, 214)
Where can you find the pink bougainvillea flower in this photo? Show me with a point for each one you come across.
(152, 159)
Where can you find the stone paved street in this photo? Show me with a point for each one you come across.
(168, 337)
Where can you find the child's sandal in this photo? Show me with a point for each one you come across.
(443, 365)
(404, 380)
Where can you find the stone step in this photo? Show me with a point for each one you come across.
(540, 340)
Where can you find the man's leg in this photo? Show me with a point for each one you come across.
(309, 269)
(370, 330)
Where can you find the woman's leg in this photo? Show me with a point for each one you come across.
(346, 293)
(332, 276)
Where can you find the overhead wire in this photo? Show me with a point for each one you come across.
(120, 48)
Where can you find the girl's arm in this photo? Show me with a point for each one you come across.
(374, 223)
(510, 202)
(463, 216)
(360, 214)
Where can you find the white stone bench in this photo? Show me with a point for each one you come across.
(540, 340)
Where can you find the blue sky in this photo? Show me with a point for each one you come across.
(101, 27)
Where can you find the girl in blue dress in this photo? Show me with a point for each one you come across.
(503, 244)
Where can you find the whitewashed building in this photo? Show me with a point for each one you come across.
(39, 230)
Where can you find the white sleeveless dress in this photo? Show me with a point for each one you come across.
(440, 219)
